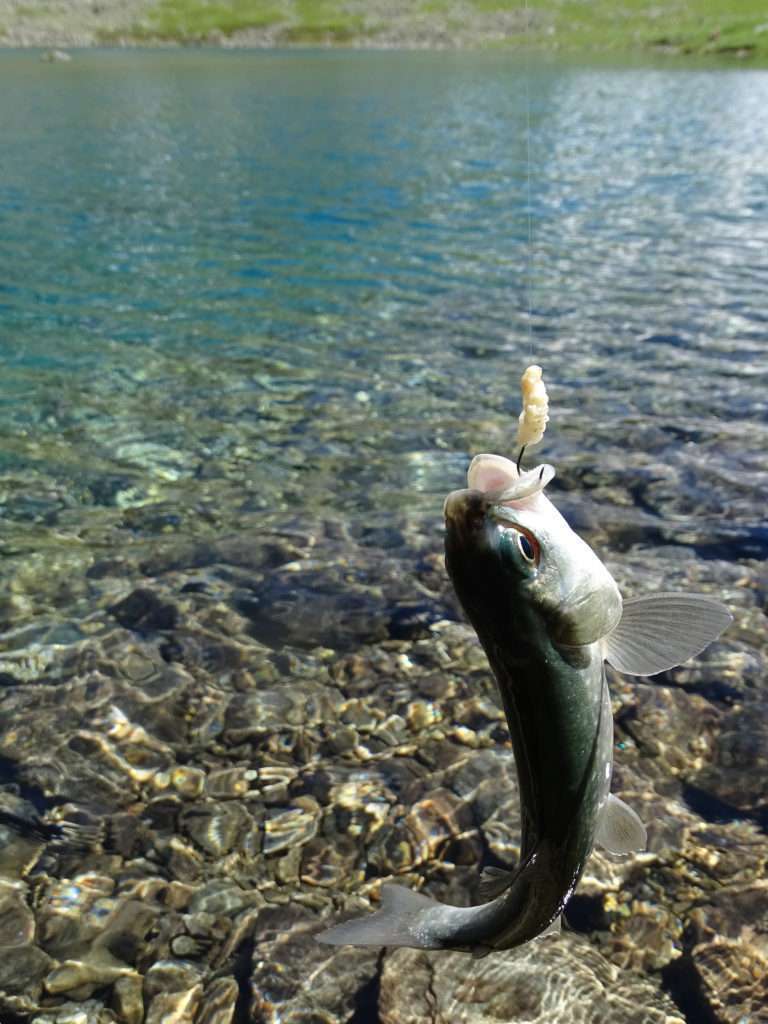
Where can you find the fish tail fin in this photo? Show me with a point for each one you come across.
(395, 924)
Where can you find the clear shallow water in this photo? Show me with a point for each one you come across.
(285, 296)
(207, 253)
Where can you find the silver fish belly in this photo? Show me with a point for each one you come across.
(548, 614)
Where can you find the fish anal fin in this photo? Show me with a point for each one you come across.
(495, 881)
(659, 631)
(619, 829)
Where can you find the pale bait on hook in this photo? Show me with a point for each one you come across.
(533, 420)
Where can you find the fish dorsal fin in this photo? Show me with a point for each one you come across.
(663, 630)
(619, 829)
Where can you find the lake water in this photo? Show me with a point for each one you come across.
(274, 301)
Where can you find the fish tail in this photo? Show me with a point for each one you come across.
(401, 921)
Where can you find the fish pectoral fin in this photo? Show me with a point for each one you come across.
(390, 926)
(659, 631)
(619, 829)
(495, 881)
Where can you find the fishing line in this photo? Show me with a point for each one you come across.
(528, 206)
(528, 273)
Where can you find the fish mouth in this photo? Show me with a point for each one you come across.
(465, 508)
(528, 485)
(500, 479)
(468, 509)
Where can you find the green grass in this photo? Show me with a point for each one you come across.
(189, 20)
(300, 21)
(321, 20)
(685, 26)
(32, 11)
(699, 26)
(569, 26)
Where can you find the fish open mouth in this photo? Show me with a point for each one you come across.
(494, 488)
(499, 480)
(532, 482)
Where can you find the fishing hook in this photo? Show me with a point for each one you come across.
(520, 459)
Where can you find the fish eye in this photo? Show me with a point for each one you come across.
(527, 547)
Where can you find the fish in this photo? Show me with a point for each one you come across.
(549, 615)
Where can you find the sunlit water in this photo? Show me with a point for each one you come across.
(317, 268)
(248, 292)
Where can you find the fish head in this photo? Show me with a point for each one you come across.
(509, 551)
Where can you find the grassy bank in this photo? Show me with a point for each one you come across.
(572, 26)
(303, 21)
(606, 27)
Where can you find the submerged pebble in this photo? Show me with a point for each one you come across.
(17, 922)
(219, 1002)
(127, 999)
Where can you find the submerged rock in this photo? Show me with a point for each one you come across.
(733, 978)
(17, 922)
(739, 764)
(144, 611)
(215, 828)
(551, 981)
(174, 1007)
(89, 1012)
(219, 1002)
(22, 969)
(314, 982)
(127, 1000)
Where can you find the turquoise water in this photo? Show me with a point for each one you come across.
(257, 310)
(322, 262)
